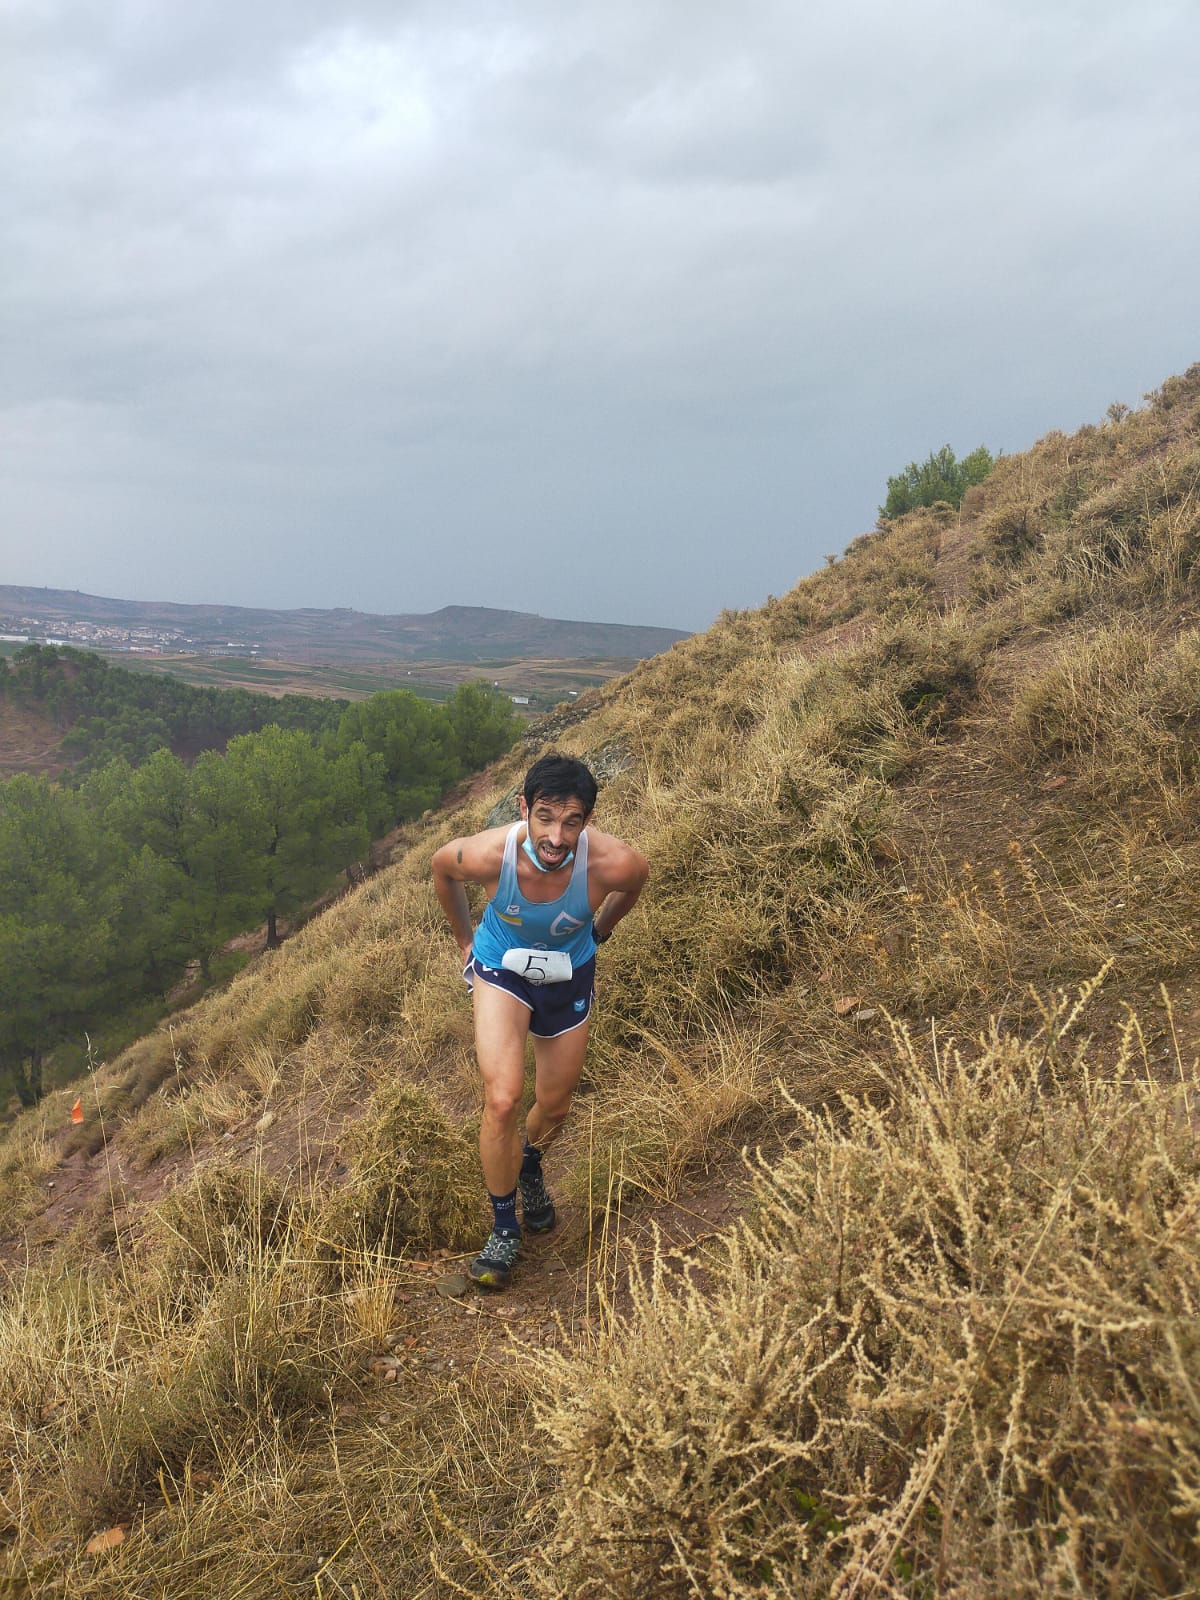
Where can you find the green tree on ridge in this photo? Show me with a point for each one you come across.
(940, 477)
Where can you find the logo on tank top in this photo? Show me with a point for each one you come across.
(513, 911)
(563, 924)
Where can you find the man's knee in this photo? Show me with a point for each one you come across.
(555, 1105)
(501, 1103)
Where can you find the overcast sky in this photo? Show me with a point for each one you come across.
(616, 309)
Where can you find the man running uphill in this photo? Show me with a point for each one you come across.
(556, 889)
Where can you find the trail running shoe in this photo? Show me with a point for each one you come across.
(537, 1208)
(492, 1267)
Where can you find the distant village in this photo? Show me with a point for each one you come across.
(114, 637)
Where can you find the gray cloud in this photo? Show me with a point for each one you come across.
(620, 311)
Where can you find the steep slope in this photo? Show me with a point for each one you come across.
(30, 742)
(921, 925)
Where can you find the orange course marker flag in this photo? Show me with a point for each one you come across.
(77, 1110)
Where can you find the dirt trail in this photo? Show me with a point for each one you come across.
(558, 1287)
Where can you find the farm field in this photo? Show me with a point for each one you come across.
(544, 682)
(877, 1263)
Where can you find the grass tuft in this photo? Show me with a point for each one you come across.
(413, 1180)
(951, 1352)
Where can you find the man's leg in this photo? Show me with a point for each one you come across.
(558, 1063)
(558, 1066)
(501, 1029)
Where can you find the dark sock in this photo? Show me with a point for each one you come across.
(531, 1160)
(504, 1208)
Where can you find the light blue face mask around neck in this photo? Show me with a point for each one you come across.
(532, 854)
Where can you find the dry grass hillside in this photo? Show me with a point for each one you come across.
(30, 742)
(921, 939)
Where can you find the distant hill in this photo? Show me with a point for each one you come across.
(877, 1263)
(455, 633)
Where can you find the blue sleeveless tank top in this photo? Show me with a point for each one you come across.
(510, 922)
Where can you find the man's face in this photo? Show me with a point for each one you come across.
(554, 828)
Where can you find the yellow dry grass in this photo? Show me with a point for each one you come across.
(952, 1350)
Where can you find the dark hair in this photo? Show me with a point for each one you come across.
(557, 777)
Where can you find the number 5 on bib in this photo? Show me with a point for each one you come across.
(538, 966)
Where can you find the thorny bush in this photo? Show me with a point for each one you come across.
(953, 1353)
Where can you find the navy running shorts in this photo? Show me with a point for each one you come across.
(555, 1007)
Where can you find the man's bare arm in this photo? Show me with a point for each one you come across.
(625, 877)
(460, 862)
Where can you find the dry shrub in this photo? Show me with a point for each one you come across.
(734, 878)
(250, 1359)
(930, 663)
(421, 1489)
(1174, 684)
(165, 1125)
(371, 979)
(1109, 513)
(238, 1449)
(1081, 698)
(277, 1003)
(115, 1388)
(1146, 522)
(859, 727)
(1119, 708)
(953, 1353)
(667, 1108)
(414, 1178)
(742, 872)
(169, 1123)
(221, 1212)
(148, 1064)
(212, 1334)
(368, 1297)
(260, 1067)
(26, 1160)
(667, 725)
(794, 615)
(1011, 532)
(44, 1316)
(733, 706)
(962, 939)
(889, 573)
(796, 762)
(871, 707)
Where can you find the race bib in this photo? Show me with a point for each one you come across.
(538, 966)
